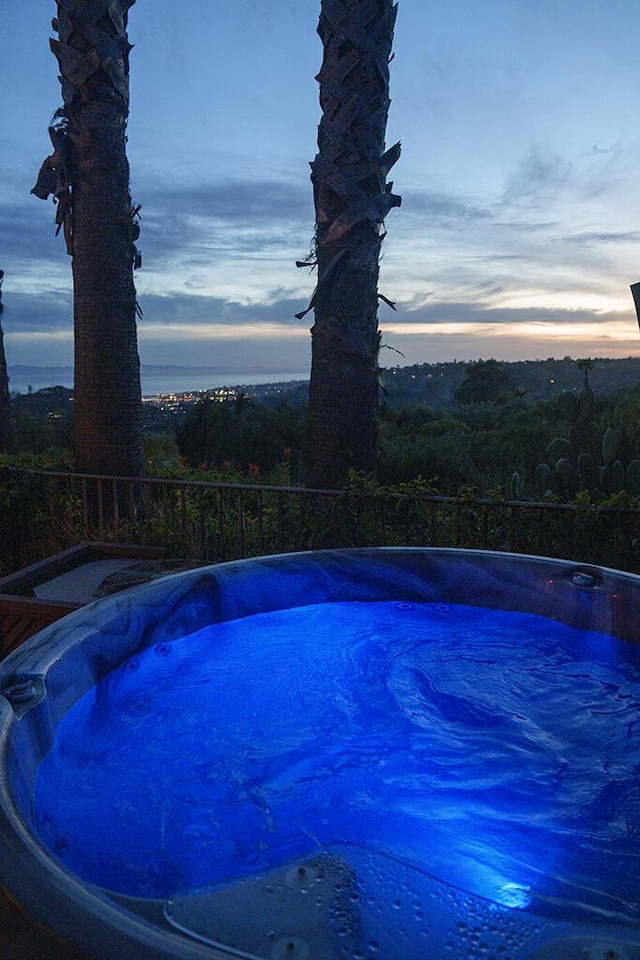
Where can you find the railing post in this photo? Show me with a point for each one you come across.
(240, 502)
(202, 527)
(99, 497)
(132, 501)
(260, 520)
(115, 506)
(281, 546)
(183, 514)
(433, 525)
(221, 530)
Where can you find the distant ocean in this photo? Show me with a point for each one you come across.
(154, 379)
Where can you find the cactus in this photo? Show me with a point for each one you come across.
(587, 472)
(543, 470)
(611, 444)
(632, 479)
(559, 448)
(574, 458)
(586, 437)
(588, 458)
(568, 406)
(515, 487)
(564, 469)
(612, 477)
(586, 403)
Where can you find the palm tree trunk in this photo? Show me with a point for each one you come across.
(89, 177)
(351, 198)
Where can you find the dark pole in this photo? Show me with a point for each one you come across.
(6, 417)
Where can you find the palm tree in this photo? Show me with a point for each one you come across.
(88, 176)
(352, 198)
(6, 418)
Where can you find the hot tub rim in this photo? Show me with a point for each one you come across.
(35, 878)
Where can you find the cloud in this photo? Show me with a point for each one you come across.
(464, 313)
(193, 309)
(526, 226)
(181, 222)
(197, 330)
(536, 176)
(27, 232)
(447, 209)
(203, 224)
(237, 201)
(37, 311)
(597, 238)
(277, 314)
(218, 260)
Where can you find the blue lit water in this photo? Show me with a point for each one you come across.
(498, 751)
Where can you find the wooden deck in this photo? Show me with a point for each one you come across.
(23, 612)
(20, 618)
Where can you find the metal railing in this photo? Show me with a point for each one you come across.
(44, 512)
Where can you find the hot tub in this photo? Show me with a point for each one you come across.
(377, 754)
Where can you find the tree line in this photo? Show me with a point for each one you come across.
(491, 438)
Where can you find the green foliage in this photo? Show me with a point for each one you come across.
(246, 437)
(161, 456)
(477, 446)
(54, 460)
(485, 382)
(43, 422)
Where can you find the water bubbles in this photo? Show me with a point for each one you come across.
(162, 649)
(290, 948)
(130, 666)
(404, 606)
(301, 877)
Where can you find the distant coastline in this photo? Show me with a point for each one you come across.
(154, 379)
(431, 385)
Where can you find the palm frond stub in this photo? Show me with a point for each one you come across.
(92, 50)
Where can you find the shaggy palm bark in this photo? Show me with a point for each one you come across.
(88, 175)
(6, 417)
(351, 198)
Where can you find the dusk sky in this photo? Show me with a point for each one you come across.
(519, 231)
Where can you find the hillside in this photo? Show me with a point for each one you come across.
(430, 385)
(434, 384)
